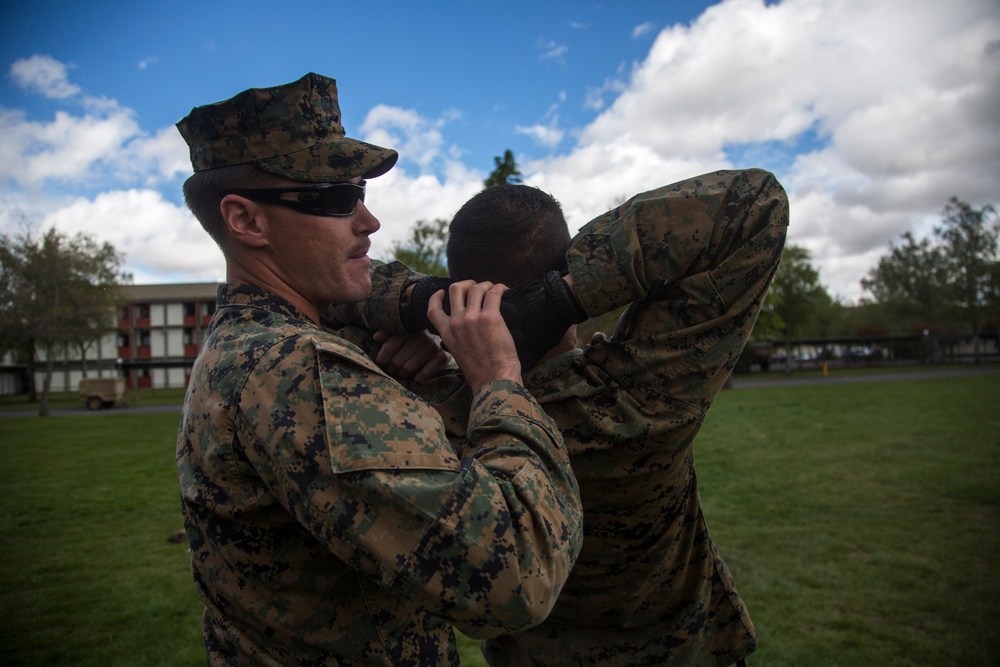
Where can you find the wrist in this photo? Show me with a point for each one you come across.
(510, 374)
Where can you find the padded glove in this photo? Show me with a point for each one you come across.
(413, 309)
(538, 315)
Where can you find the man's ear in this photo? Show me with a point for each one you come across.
(245, 220)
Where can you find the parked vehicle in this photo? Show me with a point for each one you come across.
(98, 393)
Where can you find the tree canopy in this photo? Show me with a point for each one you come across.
(424, 249)
(505, 171)
(57, 291)
(910, 284)
(939, 283)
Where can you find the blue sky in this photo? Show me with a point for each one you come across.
(871, 114)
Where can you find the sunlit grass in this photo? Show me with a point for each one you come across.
(859, 521)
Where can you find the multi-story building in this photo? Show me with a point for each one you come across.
(159, 333)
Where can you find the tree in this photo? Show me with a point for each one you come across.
(911, 284)
(505, 172)
(969, 244)
(424, 250)
(795, 295)
(57, 291)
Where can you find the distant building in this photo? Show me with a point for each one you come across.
(159, 333)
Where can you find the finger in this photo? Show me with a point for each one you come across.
(493, 297)
(436, 314)
(476, 294)
(432, 367)
(409, 359)
(390, 348)
(457, 294)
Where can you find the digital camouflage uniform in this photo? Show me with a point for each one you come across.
(330, 520)
(693, 261)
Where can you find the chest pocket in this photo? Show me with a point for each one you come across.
(374, 423)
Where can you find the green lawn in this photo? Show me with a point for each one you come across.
(860, 521)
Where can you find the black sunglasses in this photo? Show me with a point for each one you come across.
(327, 199)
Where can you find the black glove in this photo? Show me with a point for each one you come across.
(413, 310)
(538, 315)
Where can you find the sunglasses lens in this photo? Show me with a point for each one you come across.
(341, 198)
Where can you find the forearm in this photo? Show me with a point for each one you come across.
(694, 260)
(525, 492)
(695, 226)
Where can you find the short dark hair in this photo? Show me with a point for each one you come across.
(204, 190)
(510, 234)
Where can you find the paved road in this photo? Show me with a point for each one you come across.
(745, 382)
(739, 382)
(61, 412)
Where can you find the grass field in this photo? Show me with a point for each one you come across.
(860, 521)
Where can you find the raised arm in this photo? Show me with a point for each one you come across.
(693, 261)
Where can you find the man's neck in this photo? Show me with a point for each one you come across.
(271, 284)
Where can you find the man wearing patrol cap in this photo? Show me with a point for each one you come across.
(330, 520)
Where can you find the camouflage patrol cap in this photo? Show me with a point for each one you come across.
(292, 130)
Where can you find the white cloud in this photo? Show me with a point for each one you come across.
(43, 74)
(155, 159)
(891, 108)
(161, 241)
(643, 29)
(596, 96)
(552, 50)
(415, 137)
(545, 135)
(66, 149)
(901, 96)
(103, 142)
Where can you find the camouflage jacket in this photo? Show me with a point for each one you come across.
(330, 520)
(693, 262)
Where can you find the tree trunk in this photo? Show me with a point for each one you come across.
(31, 386)
(43, 410)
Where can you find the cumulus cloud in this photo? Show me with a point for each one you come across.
(545, 135)
(43, 74)
(595, 98)
(900, 98)
(416, 138)
(872, 114)
(162, 241)
(97, 140)
(65, 149)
